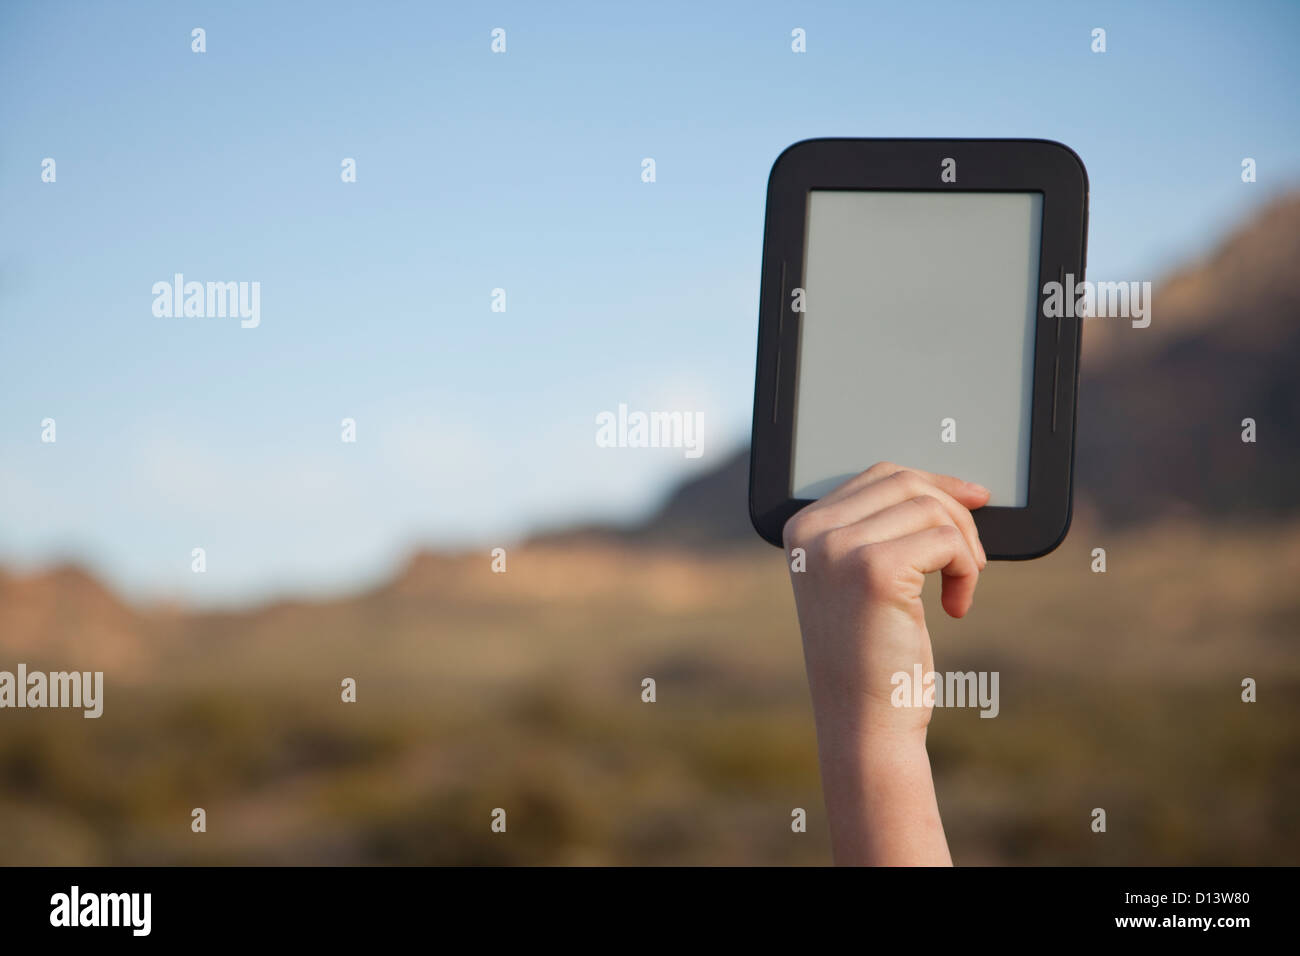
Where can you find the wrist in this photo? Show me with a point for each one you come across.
(880, 801)
(878, 734)
(877, 753)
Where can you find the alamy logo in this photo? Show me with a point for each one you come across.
(953, 689)
(1119, 300)
(134, 910)
(211, 300)
(36, 689)
(650, 430)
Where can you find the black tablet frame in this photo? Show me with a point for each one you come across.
(982, 165)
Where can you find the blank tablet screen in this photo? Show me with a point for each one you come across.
(919, 307)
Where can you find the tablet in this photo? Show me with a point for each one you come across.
(913, 310)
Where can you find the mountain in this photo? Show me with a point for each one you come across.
(705, 512)
(64, 614)
(1160, 414)
(1160, 408)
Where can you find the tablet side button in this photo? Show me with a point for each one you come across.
(1058, 313)
(780, 334)
(1056, 364)
(776, 392)
(1056, 381)
(780, 302)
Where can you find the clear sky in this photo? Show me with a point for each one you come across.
(478, 171)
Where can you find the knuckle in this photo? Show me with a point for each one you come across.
(795, 532)
(837, 543)
(906, 477)
(873, 563)
(931, 506)
(951, 535)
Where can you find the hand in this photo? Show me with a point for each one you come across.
(869, 545)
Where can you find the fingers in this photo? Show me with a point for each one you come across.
(896, 521)
(847, 506)
(967, 492)
(941, 548)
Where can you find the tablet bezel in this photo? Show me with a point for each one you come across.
(915, 165)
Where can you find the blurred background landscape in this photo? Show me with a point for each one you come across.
(371, 560)
(522, 690)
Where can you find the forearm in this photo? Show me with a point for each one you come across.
(870, 544)
(881, 804)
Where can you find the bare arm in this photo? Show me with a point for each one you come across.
(869, 545)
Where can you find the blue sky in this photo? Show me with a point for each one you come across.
(477, 171)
